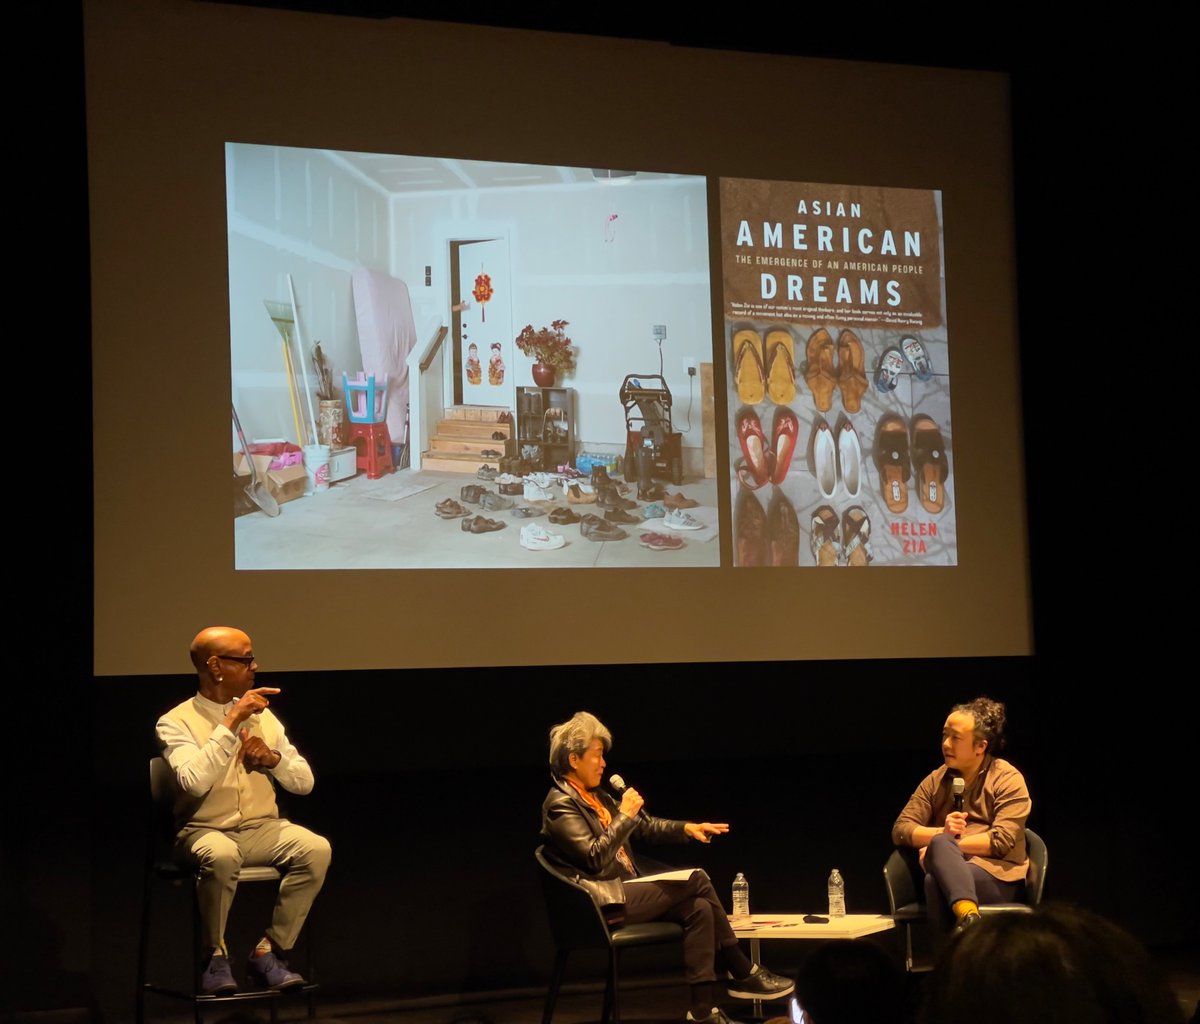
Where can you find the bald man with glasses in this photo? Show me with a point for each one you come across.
(228, 750)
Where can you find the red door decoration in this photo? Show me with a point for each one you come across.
(482, 293)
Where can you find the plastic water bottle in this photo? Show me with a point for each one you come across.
(837, 894)
(741, 898)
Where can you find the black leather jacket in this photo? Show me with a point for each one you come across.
(576, 840)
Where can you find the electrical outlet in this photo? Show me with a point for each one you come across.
(689, 366)
(660, 332)
(691, 371)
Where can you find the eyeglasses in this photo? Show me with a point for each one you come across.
(244, 659)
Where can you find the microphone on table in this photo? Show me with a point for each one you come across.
(957, 787)
(618, 786)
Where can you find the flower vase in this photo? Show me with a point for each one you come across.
(543, 375)
(331, 426)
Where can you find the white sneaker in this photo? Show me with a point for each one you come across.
(849, 458)
(678, 519)
(535, 492)
(825, 460)
(507, 478)
(537, 538)
(545, 480)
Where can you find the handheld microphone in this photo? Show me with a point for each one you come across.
(957, 787)
(618, 786)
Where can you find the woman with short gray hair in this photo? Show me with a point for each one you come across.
(587, 836)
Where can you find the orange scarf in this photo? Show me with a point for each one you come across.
(605, 816)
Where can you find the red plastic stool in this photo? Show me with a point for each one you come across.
(374, 453)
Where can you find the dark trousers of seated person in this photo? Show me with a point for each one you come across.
(708, 940)
(950, 877)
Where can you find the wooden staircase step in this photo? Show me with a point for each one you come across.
(473, 428)
(476, 413)
(448, 445)
(450, 462)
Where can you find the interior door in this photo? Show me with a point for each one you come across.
(485, 326)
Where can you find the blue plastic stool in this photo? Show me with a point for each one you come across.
(365, 402)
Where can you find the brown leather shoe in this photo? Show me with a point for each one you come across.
(577, 496)
(783, 532)
(481, 524)
(608, 498)
(679, 500)
(750, 531)
(594, 528)
(563, 516)
(619, 515)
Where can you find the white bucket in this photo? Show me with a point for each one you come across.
(316, 468)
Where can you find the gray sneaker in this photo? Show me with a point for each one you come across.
(493, 502)
(762, 984)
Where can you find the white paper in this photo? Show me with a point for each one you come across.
(682, 875)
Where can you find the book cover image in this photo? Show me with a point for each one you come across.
(838, 359)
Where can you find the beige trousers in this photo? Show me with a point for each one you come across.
(302, 855)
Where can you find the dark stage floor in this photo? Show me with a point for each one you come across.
(642, 1001)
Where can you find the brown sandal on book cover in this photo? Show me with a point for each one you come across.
(852, 375)
(891, 457)
(748, 367)
(818, 372)
(781, 366)
(856, 537)
(823, 541)
(929, 464)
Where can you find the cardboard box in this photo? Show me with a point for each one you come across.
(282, 484)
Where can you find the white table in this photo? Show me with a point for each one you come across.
(793, 926)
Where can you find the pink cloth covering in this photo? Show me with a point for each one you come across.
(386, 334)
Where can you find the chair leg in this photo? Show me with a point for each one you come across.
(560, 966)
(143, 949)
(611, 1013)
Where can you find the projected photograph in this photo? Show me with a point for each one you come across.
(442, 363)
(838, 362)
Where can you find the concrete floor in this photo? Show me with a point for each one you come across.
(390, 524)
